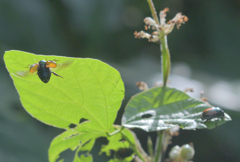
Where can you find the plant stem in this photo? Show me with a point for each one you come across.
(158, 148)
(150, 147)
(166, 63)
(153, 11)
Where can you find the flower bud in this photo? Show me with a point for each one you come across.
(175, 153)
(150, 22)
(187, 152)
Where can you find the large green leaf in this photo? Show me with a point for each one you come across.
(89, 89)
(162, 108)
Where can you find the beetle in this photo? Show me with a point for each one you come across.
(43, 70)
(213, 112)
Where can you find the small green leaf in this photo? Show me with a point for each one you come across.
(89, 89)
(163, 108)
(84, 158)
(86, 148)
(82, 138)
(119, 145)
(115, 143)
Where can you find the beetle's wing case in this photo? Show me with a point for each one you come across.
(34, 68)
(51, 64)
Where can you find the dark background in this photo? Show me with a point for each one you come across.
(204, 53)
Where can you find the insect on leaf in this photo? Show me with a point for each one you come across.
(89, 89)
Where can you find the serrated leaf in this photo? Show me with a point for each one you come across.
(89, 89)
(163, 108)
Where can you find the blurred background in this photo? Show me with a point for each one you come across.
(204, 53)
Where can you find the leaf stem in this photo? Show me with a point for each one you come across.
(115, 132)
(153, 11)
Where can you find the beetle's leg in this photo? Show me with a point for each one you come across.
(57, 74)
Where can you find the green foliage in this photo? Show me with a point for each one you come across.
(81, 138)
(163, 108)
(89, 89)
(118, 143)
(85, 103)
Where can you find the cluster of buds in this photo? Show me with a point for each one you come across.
(184, 153)
(178, 20)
